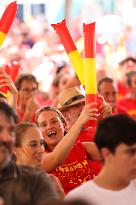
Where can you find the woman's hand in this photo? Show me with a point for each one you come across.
(90, 112)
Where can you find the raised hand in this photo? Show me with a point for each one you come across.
(31, 107)
(90, 112)
(106, 109)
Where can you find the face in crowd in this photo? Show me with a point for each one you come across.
(108, 89)
(7, 126)
(27, 90)
(115, 138)
(72, 113)
(131, 80)
(124, 160)
(29, 145)
(52, 125)
(27, 87)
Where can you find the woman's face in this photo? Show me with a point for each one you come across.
(32, 150)
(51, 126)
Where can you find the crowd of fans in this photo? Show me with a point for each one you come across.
(48, 153)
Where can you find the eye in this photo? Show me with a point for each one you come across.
(43, 124)
(131, 152)
(54, 121)
(33, 144)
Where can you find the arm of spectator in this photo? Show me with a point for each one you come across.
(7, 81)
(92, 150)
(57, 186)
(58, 155)
(31, 107)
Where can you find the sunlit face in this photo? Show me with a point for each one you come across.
(32, 150)
(6, 138)
(109, 91)
(51, 126)
(71, 114)
(123, 161)
(27, 90)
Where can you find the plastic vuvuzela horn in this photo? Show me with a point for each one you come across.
(70, 48)
(90, 65)
(6, 20)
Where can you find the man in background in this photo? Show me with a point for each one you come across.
(115, 138)
(18, 184)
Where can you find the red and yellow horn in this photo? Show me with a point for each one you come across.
(90, 64)
(70, 48)
(6, 20)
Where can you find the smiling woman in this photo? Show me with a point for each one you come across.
(65, 158)
(29, 144)
(30, 147)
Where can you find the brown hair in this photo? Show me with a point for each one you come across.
(20, 130)
(46, 108)
(27, 77)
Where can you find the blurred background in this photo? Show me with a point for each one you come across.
(34, 45)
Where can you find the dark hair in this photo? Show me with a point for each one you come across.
(115, 130)
(27, 77)
(47, 108)
(53, 201)
(8, 111)
(20, 131)
(126, 60)
(129, 76)
(105, 79)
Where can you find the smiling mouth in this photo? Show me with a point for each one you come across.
(51, 134)
(39, 157)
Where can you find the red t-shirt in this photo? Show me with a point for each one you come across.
(87, 135)
(21, 115)
(120, 110)
(130, 105)
(122, 91)
(75, 170)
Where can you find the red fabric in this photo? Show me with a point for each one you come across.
(8, 17)
(130, 105)
(11, 69)
(21, 115)
(75, 170)
(64, 36)
(87, 135)
(89, 40)
(120, 110)
(122, 91)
